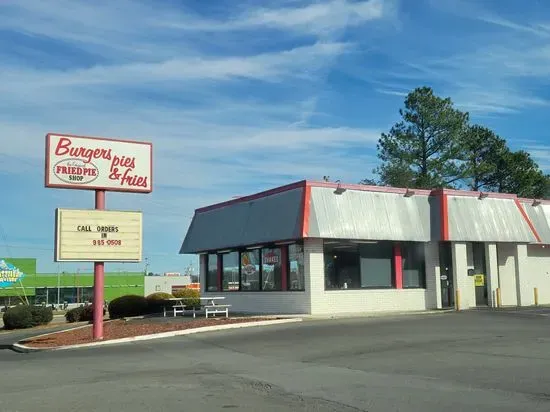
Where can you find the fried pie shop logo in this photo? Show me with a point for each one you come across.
(9, 274)
(102, 163)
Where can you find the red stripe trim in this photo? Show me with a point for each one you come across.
(253, 197)
(220, 270)
(284, 266)
(444, 216)
(306, 210)
(526, 217)
(398, 264)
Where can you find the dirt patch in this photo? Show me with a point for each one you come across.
(117, 329)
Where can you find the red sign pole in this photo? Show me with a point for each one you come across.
(99, 279)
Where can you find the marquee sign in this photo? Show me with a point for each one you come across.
(76, 162)
(9, 274)
(98, 236)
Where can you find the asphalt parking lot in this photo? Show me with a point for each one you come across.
(474, 361)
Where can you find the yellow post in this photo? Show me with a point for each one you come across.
(499, 298)
(536, 296)
(457, 299)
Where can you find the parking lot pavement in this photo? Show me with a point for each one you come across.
(475, 361)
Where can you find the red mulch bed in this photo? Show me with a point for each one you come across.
(117, 329)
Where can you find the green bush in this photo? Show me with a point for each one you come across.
(127, 305)
(157, 301)
(18, 317)
(80, 314)
(41, 315)
(192, 295)
(74, 315)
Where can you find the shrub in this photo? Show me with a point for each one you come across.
(18, 317)
(81, 314)
(157, 301)
(127, 305)
(192, 295)
(41, 315)
(74, 315)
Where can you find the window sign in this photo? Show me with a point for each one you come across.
(250, 270)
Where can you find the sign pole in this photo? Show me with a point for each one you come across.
(99, 279)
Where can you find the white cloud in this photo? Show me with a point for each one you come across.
(317, 18)
(228, 115)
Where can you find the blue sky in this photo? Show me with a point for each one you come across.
(241, 96)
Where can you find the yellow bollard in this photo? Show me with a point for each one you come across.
(536, 296)
(457, 299)
(499, 298)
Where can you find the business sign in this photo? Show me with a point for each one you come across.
(271, 258)
(9, 274)
(98, 236)
(75, 162)
(479, 280)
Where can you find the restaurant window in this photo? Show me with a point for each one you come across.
(358, 265)
(376, 264)
(212, 273)
(250, 270)
(414, 266)
(296, 267)
(272, 269)
(230, 271)
(342, 269)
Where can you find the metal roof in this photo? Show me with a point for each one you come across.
(540, 218)
(277, 216)
(472, 219)
(329, 210)
(366, 215)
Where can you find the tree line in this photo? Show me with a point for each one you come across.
(434, 145)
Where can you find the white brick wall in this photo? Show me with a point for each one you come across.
(507, 273)
(491, 263)
(524, 287)
(462, 261)
(538, 272)
(433, 281)
(316, 300)
(348, 301)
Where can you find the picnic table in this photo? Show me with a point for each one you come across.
(209, 304)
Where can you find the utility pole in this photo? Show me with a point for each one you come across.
(58, 285)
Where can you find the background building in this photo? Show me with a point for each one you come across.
(74, 287)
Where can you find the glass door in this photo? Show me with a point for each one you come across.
(446, 274)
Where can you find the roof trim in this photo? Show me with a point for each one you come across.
(444, 216)
(469, 193)
(367, 188)
(526, 217)
(530, 201)
(306, 209)
(255, 196)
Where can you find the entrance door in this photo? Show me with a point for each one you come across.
(480, 274)
(446, 274)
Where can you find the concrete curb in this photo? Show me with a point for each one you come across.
(18, 347)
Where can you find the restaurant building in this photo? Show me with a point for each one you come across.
(328, 248)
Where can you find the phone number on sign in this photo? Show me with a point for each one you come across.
(110, 242)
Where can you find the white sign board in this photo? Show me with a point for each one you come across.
(98, 236)
(76, 162)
